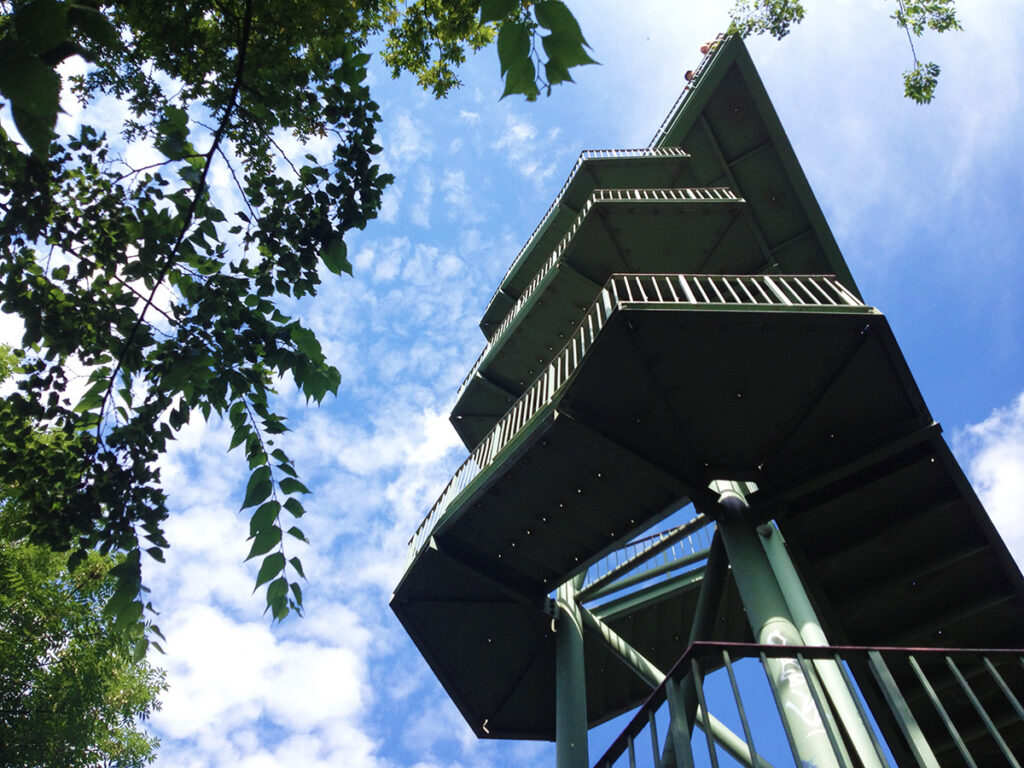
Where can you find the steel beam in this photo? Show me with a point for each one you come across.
(653, 676)
(810, 630)
(772, 624)
(570, 681)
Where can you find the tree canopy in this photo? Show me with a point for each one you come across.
(72, 691)
(168, 301)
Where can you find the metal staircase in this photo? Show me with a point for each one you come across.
(692, 442)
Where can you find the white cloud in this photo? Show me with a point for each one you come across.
(420, 210)
(232, 682)
(389, 205)
(518, 142)
(995, 463)
(406, 140)
(462, 204)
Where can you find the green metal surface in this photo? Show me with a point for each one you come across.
(811, 633)
(600, 169)
(731, 129)
(598, 411)
(670, 235)
(773, 624)
(570, 682)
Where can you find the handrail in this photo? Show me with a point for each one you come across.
(721, 654)
(820, 292)
(585, 155)
(597, 196)
(639, 555)
(693, 77)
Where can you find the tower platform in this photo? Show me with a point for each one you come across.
(682, 322)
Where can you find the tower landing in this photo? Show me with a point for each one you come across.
(691, 443)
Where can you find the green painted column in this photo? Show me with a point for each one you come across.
(570, 681)
(772, 624)
(807, 623)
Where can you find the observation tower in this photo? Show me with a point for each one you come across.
(703, 486)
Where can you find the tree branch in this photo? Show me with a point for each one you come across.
(225, 121)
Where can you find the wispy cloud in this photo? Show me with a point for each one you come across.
(524, 153)
(994, 454)
(419, 211)
(406, 140)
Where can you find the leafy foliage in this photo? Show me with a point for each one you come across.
(538, 42)
(71, 690)
(168, 302)
(150, 300)
(776, 18)
(920, 82)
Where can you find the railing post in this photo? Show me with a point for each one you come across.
(570, 681)
(901, 710)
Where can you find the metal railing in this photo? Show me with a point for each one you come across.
(820, 292)
(597, 196)
(942, 707)
(646, 558)
(781, 291)
(694, 78)
(587, 154)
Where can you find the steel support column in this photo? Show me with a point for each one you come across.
(772, 624)
(810, 630)
(683, 697)
(570, 681)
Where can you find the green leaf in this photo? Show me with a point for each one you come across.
(291, 485)
(259, 487)
(557, 17)
(139, 650)
(297, 565)
(495, 10)
(564, 51)
(264, 517)
(297, 592)
(556, 74)
(521, 78)
(128, 615)
(335, 257)
(297, 533)
(271, 567)
(41, 24)
(94, 25)
(920, 83)
(278, 589)
(237, 415)
(306, 341)
(294, 506)
(264, 541)
(34, 92)
(513, 46)
(239, 436)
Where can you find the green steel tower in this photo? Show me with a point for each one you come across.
(703, 486)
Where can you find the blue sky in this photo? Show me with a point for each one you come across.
(925, 203)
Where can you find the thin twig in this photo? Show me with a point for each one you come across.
(225, 121)
(906, 26)
(234, 178)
